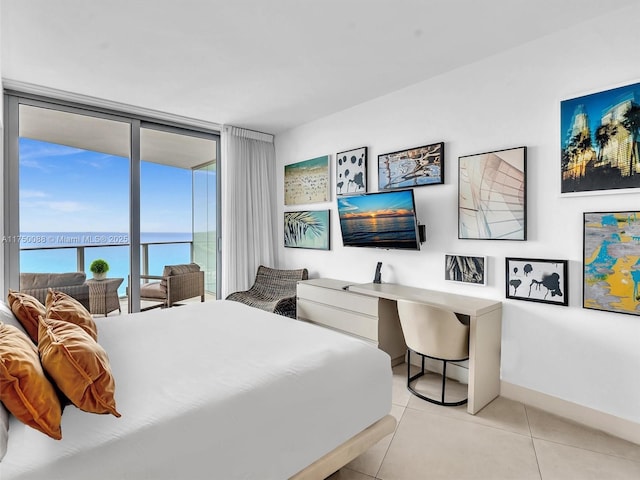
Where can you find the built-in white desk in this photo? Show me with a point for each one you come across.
(369, 311)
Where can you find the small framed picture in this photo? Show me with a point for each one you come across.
(492, 195)
(465, 269)
(351, 171)
(413, 167)
(537, 280)
(307, 181)
(307, 229)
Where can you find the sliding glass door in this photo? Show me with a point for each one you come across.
(172, 230)
(84, 184)
(73, 192)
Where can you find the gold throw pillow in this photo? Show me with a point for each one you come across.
(78, 365)
(61, 306)
(24, 388)
(27, 310)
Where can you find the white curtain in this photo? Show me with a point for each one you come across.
(248, 206)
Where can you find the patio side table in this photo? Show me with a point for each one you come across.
(103, 295)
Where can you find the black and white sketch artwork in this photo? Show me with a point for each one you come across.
(466, 269)
(537, 280)
(351, 171)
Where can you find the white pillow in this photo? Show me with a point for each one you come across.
(4, 430)
(7, 317)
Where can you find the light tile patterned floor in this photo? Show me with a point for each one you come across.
(506, 440)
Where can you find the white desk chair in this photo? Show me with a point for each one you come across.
(435, 333)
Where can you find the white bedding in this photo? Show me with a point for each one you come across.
(214, 390)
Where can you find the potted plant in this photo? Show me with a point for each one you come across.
(99, 268)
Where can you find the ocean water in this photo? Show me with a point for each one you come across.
(384, 232)
(56, 252)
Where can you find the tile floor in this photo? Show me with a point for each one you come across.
(505, 440)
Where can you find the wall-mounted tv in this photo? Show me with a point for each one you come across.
(379, 220)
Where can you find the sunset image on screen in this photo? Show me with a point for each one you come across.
(384, 220)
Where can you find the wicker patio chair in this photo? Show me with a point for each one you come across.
(273, 290)
(177, 283)
(71, 283)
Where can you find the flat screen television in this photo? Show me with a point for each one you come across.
(379, 220)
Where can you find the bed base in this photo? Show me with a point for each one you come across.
(352, 448)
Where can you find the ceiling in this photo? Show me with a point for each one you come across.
(113, 137)
(267, 65)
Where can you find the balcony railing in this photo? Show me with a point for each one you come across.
(119, 267)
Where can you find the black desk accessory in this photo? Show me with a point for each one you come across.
(377, 278)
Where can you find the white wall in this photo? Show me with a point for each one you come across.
(583, 356)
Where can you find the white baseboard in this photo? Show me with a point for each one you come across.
(616, 426)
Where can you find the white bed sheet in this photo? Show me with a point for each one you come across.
(214, 390)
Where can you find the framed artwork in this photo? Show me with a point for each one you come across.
(537, 280)
(465, 269)
(599, 143)
(492, 193)
(612, 261)
(307, 229)
(411, 168)
(307, 181)
(351, 171)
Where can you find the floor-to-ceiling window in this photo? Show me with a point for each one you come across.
(84, 183)
(178, 200)
(205, 214)
(73, 172)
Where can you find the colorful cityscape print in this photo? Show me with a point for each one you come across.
(599, 144)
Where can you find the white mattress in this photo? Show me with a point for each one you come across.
(214, 390)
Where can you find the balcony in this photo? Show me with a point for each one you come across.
(62, 252)
(85, 172)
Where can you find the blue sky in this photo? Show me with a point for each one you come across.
(72, 190)
(378, 202)
(594, 105)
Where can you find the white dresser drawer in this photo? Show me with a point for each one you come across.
(339, 319)
(339, 298)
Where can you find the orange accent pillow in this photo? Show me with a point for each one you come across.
(61, 306)
(27, 310)
(78, 365)
(24, 388)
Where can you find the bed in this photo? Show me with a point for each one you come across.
(217, 390)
